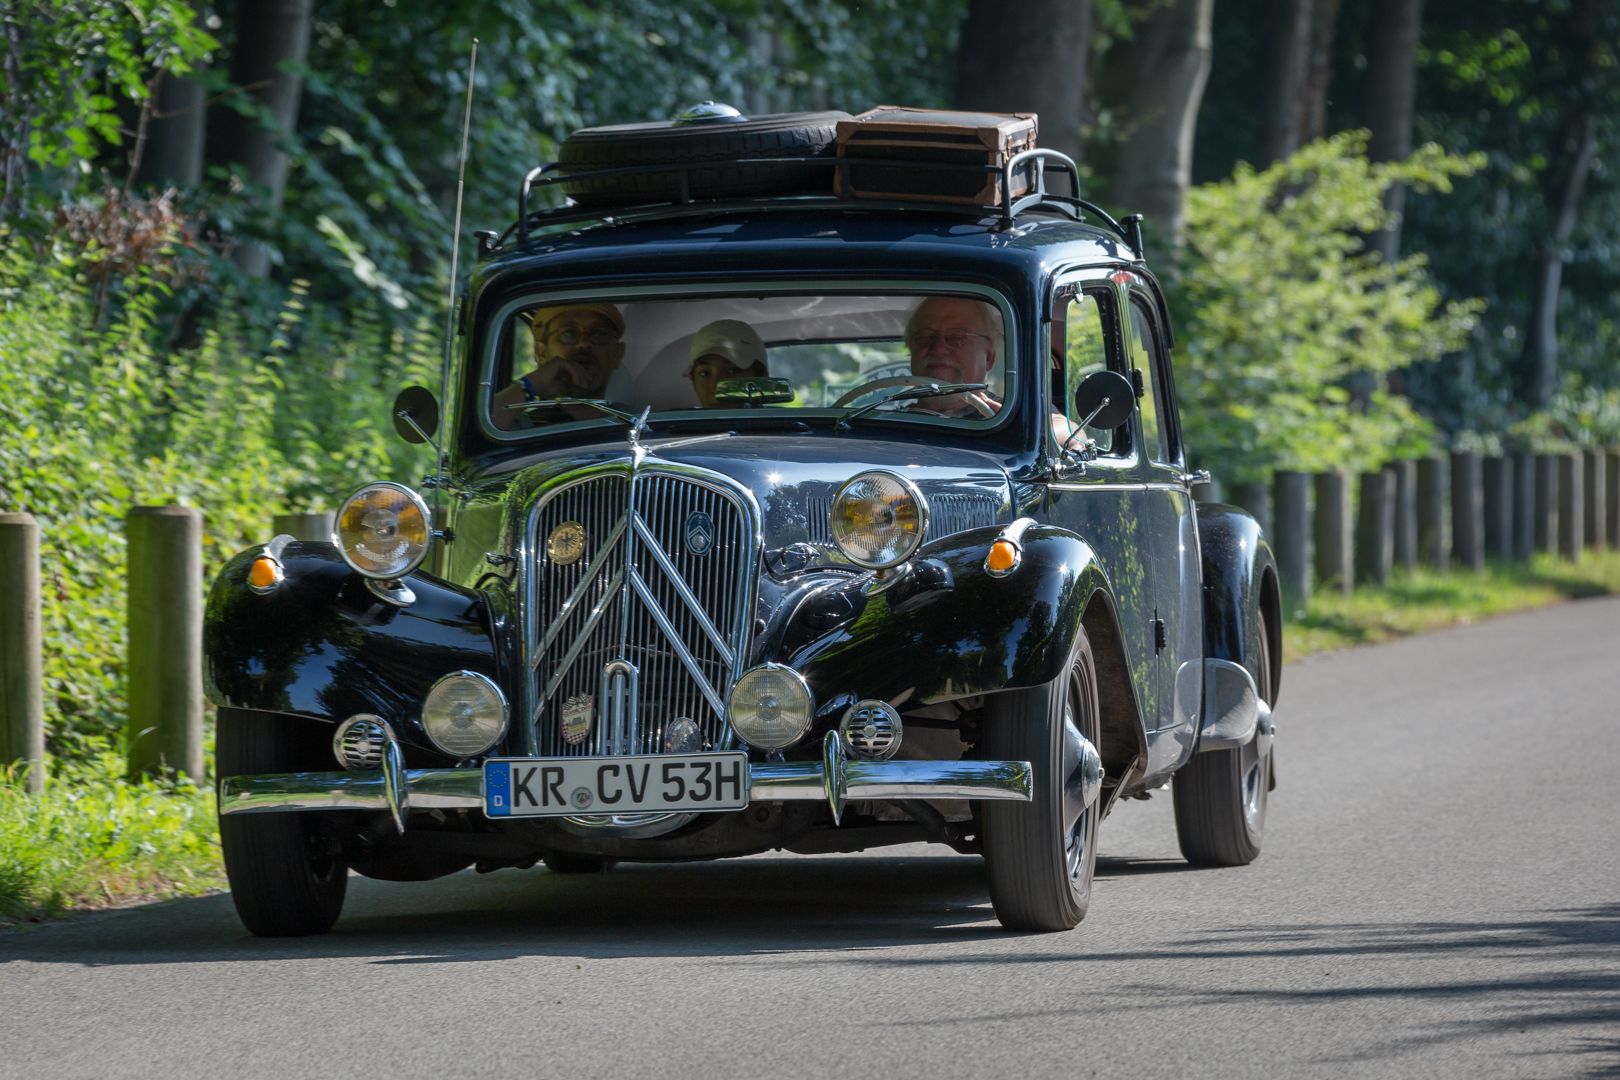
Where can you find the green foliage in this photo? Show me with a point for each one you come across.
(93, 422)
(96, 839)
(1288, 330)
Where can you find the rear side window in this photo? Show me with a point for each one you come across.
(1147, 356)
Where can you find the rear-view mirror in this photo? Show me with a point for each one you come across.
(747, 391)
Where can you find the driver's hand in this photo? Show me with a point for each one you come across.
(559, 377)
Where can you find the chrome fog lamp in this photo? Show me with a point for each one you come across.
(878, 519)
(383, 530)
(771, 707)
(465, 714)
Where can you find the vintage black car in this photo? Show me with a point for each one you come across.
(767, 519)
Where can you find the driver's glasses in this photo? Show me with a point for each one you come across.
(926, 338)
(573, 335)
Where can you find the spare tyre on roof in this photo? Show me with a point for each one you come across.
(707, 133)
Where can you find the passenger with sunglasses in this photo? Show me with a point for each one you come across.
(954, 340)
(577, 352)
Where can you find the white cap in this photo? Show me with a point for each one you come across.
(731, 338)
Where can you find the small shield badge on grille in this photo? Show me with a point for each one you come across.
(699, 533)
(577, 713)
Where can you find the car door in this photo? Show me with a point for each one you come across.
(1101, 500)
(1171, 535)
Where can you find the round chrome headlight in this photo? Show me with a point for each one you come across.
(383, 531)
(878, 519)
(771, 707)
(464, 714)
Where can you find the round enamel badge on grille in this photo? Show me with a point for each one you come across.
(566, 543)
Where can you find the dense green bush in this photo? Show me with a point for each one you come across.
(1288, 330)
(95, 420)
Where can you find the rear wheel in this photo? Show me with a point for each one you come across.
(284, 881)
(1040, 855)
(1220, 795)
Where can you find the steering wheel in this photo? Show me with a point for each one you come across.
(908, 380)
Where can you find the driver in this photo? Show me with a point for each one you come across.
(953, 340)
(577, 352)
(725, 349)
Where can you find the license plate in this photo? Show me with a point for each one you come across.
(660, 783)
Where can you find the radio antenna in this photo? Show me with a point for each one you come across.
(455, 251)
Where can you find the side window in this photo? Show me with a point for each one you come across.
(1147, 355)
(1086, 324)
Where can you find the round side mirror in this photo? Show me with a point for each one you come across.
(416, 414)
(1104, 400)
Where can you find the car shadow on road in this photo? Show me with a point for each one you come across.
(737, 907)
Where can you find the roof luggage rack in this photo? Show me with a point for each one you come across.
(1009, 209)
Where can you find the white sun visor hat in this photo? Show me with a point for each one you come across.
(731, 338)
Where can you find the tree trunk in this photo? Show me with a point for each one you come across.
(174, 135)
(1287, 58)
(1540, 362)
(1154, 83)
(1387, 99)
(1318, 71)
(1028, 56)
(268, 33)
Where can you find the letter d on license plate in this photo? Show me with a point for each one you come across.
(657, 783)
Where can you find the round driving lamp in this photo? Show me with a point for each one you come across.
(465, 714)
(771, 707)
(382, 530)
(878, 519)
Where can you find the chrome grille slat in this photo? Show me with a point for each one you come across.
(681, 619)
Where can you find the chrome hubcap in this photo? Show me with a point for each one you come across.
(1082, 772)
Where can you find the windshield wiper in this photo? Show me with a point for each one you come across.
(595, 403)
(909, 393)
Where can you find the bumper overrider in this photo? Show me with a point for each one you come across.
(835, 778)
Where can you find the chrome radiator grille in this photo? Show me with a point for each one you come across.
(650, 594)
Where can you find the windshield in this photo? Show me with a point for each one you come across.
(559, 361)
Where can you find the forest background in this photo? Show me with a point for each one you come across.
(1387, 227)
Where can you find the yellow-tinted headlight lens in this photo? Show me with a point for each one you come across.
(878, 519)
(464, 714)
(382, 530)
(771, 707)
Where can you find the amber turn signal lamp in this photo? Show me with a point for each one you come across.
(1002, 558)
(265, 574)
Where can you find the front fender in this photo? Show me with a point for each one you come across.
(1240, 582)
(322, 645)
(975, 635)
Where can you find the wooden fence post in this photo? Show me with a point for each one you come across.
(1498, 479)
(22, 656)
(1334, 540)
(1594, 491)
(165, 640)
(1406, 530)
(316, 526)
(1467, 511)
(1255, 498)
(1375, 527)
(1571, 530)
(1293, 512)
(1524, 506)
(1431, 499)
(1611, 498)
(1546, 531)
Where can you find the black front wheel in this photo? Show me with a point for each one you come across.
(1040, 855)
(284, 881)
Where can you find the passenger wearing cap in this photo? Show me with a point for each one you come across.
(577, 352)
(725, 349)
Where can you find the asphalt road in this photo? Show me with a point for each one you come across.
(1439, 896)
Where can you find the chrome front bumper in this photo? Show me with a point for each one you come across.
(835, 778)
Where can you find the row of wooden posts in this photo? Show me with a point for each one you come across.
(1461, 512)
(164, 583)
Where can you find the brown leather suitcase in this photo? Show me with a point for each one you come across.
(933, 135)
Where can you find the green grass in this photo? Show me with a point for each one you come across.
(1421, 600)
(96, 840)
